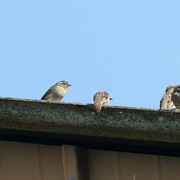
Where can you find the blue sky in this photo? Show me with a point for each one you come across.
(130, 49)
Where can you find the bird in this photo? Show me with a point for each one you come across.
(176, 96)
(56, 92)
(166, 101)
(101, 99)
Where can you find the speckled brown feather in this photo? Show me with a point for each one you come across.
(49, 91)
(166, 102)
(102, 94)
(101, 99)
(176, 96)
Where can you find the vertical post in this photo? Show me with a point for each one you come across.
(75, 163)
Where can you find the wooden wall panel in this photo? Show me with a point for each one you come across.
(50, 162)
(169, 168)
(30, 161)
(45, 162)
(42, 162)
(108, 165)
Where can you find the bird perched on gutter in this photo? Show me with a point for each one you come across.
(56, 92)
(176, 96)
(101, 99)
(166, 101)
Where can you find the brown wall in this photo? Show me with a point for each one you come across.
(25, 161)
(126, 166)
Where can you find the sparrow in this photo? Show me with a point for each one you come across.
(176, 96)
(56, 92)
(101, 99)
(166, 102)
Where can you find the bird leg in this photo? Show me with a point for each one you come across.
(173, 110)
(49, 101)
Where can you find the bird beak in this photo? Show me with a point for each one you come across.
(110, 98)
(69, 85)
